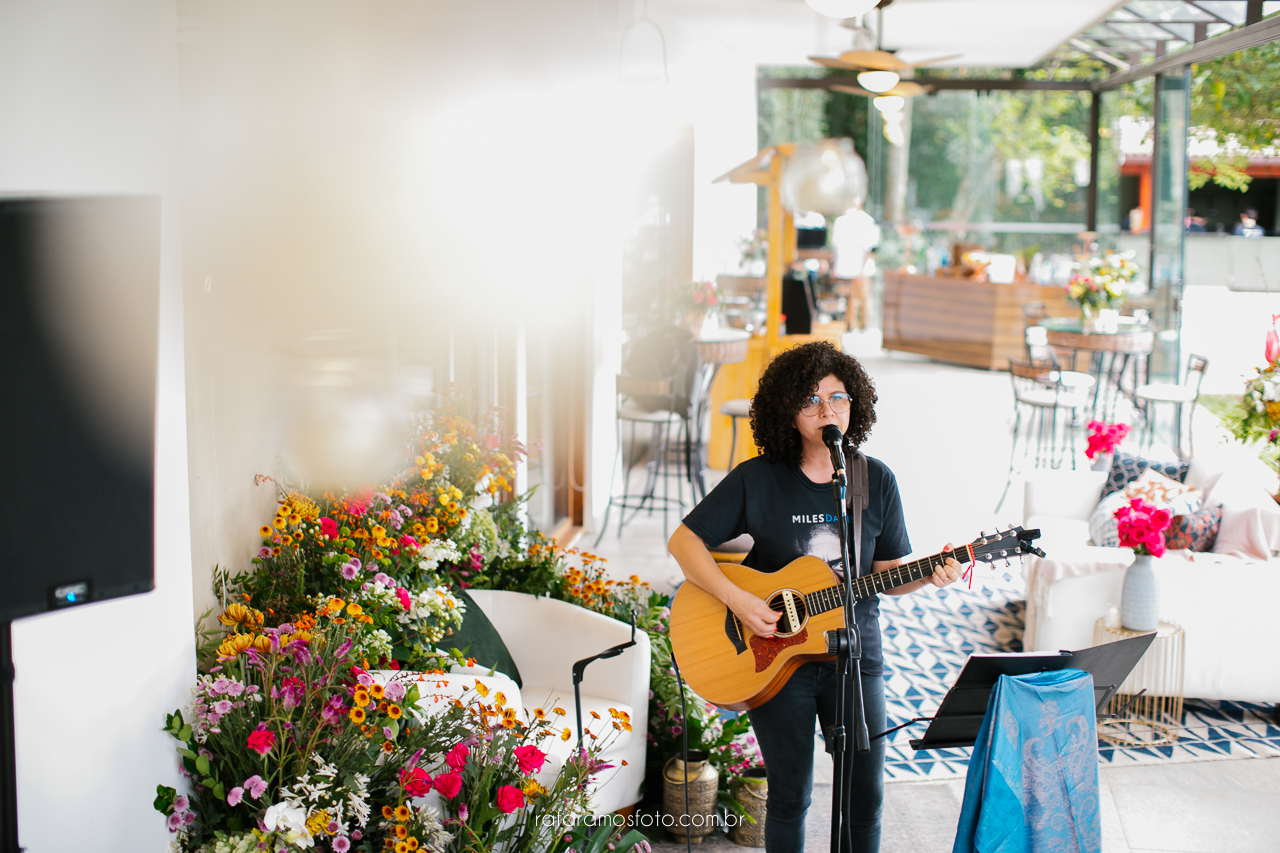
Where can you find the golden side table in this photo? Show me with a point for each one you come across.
(1155, 717)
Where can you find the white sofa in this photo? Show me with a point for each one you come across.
(545, 637)
(1225, 602)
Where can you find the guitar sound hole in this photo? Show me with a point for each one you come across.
(779, 602)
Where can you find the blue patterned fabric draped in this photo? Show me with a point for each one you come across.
(1032, 785)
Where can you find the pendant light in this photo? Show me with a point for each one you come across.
(877, 81)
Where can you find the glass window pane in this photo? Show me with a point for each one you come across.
(1144, 31)
(1168, 10)
(1217, 29)
(1270, 7)
(1186, 32)
(1232, 11)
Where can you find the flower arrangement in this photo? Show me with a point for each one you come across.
(1141, 526)
(697, 297)
(1104, 438)
(1102, 281)
(1255, 417)
(753, 246)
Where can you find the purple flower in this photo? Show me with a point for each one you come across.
(382, 578)
(387, 733)
(235, 688)
(349, 572)
(340, 844)
(263, 553)
(189, 818)
(332, 827)
(395, 691)
(365, 678)
(357, 835)
(234, 796)
(462, 811)
(341, 653)
(174, 822)
(256, 786)
(223, 707)
(220, 686)
(180, 804)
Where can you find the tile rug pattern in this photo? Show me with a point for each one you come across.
(929, 636)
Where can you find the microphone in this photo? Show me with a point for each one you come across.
(833, 438)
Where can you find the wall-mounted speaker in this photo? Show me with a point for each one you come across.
(79, 305)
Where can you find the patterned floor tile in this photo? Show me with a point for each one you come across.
(928, 638)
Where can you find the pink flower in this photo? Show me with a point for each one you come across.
(530, 759)
(174, 822)
(382, 578)
(256, 786)
(416, 782)
(180, 804)
(1104, 438)
(234, 796)
(1273, 347)
(408, 541)
(261, 740)
(448, 784)
(348, 571)
(457, 757)
(394, 691)
(509, 799)
(222, 707)
(403, 595)
(263, 553)
(329, 528)
(340, 844)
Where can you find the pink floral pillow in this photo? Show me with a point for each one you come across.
(1196, 531)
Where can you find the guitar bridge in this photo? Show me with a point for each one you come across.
(733, 630)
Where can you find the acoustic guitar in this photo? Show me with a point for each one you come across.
(738, 671)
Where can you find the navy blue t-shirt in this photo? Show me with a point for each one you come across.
(788, 515)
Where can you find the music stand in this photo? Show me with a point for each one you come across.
(960, 715)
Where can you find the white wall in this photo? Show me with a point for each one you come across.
(88, 95)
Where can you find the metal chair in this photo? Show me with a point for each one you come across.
(1149, 395)
(1049, 408)
(662, 449)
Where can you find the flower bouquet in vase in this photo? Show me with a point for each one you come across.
(1255, 417)
(1141, 526)
(1100, 287)
(1103, 441)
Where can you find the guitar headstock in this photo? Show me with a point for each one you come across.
(1002, 545)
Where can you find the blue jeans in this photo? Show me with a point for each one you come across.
(784, 728)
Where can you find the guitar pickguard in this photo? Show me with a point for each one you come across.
(766, 649)
(733, 630)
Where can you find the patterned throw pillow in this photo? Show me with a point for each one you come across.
(1126, 467)
(1195, 531)
(1103, 527)
(1155, 488)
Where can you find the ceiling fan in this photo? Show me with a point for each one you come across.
(879, 71)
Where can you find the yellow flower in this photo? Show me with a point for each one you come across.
(403, 813)
(357, 715)
(481, 688)
(262, 644)
(394, 712)
(362, 697)
(238, 614)
(279, 522)
(387, 812)
(401, 832)
(388, 746)
(317, 822)
(379, 531)
(509, 720)
(294, 518)
(336, 605)
(411, 842)
(265, 530)
(376, 690)
(540, 714)
(499, 698)
(234, 645)
(354, 610)
(559, 711)
(401, 846)
(566, 734)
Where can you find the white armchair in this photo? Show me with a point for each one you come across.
(545, 637)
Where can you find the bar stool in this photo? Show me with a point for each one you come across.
(735, 409)
(658, 467)
(715, 348)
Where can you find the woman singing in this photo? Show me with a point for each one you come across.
(783, 498)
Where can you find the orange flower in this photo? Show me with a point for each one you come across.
(400, 832)
(481, 688)
(558, 710)
(388, 746)
(402, 813)
(387, 812)
(566, 734)
(336, 605)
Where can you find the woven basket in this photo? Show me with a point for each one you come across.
(752, 792)
(703, 782)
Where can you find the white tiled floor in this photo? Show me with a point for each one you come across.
(946, 433)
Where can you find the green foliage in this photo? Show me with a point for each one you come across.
(1235, 100)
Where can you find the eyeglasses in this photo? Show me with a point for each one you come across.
(839, 404)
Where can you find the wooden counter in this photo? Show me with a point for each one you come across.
(962, 321)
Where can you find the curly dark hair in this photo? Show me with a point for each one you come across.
(793, 376)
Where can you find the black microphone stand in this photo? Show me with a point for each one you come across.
(846, 644)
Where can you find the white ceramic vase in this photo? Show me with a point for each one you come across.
(1140, 596)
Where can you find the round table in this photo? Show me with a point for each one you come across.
(1114, 356)
(1155, 717)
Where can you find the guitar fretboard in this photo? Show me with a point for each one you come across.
(873, 584)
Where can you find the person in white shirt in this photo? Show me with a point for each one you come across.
(853, 236)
